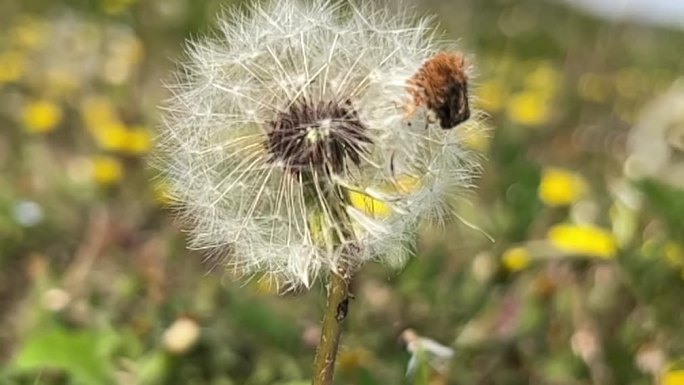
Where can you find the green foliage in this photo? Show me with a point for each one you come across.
(667, 202)
(77, 353)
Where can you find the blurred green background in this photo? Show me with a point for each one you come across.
(581, 192)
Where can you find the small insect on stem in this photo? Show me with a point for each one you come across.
(441, 86)
(342, 309)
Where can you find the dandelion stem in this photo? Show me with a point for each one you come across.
(335, 313)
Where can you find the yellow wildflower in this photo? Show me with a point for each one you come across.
(96, 112)
(586, 240)
(368, 205)
(532, 105)
(107, 170)
(529, 107)
(560, 187)
(12, 66)
(28, 32)
(543, 79)
(674, 254)
(516, 259)
(673, 377)
(111, 136)
(137, 141)
(491, 96)
(378, 209)
(41, 116)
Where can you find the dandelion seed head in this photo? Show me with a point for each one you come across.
(301, 138)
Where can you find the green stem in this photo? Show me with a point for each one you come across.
(335, 313)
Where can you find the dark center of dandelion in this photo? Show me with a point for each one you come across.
(317, 136)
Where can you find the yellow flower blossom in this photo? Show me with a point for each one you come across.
(673, 377)
(112, 136)
(368, 205)
(107, 170)
(12, 65)
(27, 33)
(532, 105)
(543, 79)
(516, 259)
(674, 254)
(585, 240)
(100, 118)
(491, 96)
(375, 208)
(559, 187)
(41, 116)
(531, 108)
(137, 141)
(96, 112)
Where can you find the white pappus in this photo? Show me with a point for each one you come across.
(302, 138)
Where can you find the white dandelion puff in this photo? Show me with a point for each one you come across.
(302, 138)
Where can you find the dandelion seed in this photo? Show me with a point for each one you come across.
(315, 138)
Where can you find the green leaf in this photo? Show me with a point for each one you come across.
(74, 352)
(365, 377)
(665, 201)
(153, 368)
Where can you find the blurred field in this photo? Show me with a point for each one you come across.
(582, 193)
